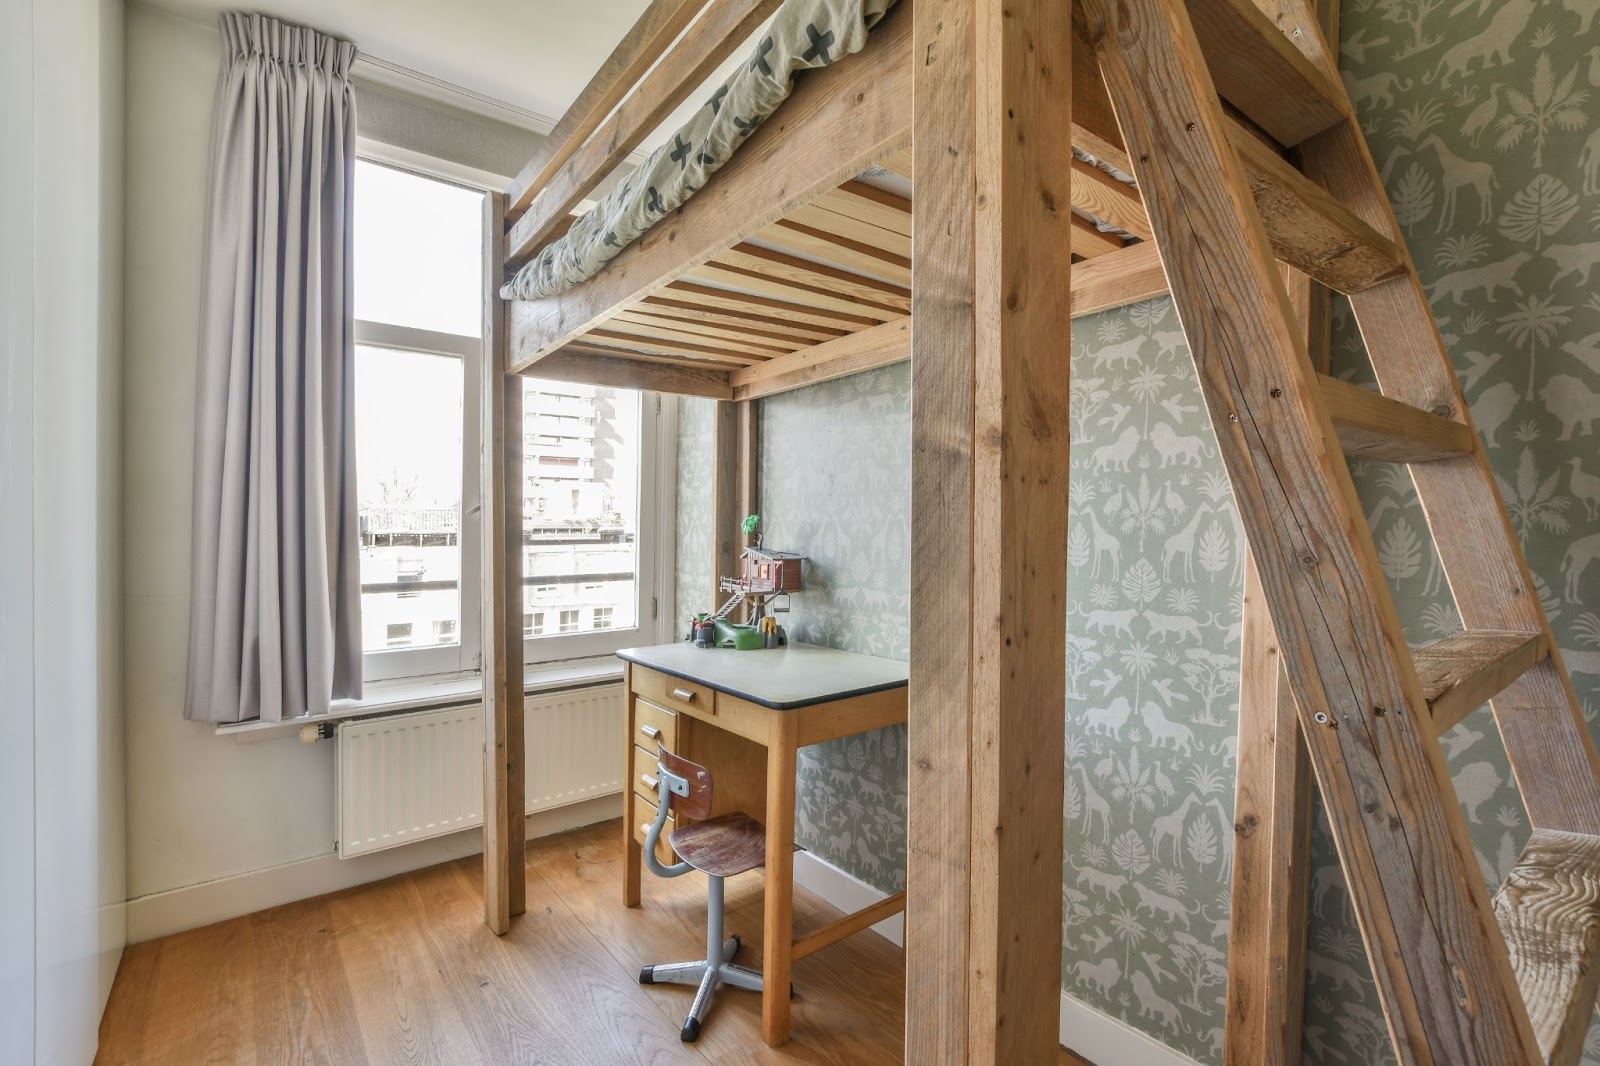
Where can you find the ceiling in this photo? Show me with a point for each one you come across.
(535, 55)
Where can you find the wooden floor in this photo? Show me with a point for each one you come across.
(404, 971)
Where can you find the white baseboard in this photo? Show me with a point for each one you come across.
(845, 891)
(1108, 1041)
(192, 906)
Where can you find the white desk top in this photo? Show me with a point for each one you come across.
(781, 678)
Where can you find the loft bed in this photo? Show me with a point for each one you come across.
(794, 265)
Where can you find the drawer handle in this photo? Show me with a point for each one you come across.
(650, 782)
(684, 694)
(650, 731)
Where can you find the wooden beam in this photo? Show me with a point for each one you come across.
(1373, 426)
(991, 321)
(504, 830)
(1549, 911)
(749, 478)
(1117, 279)
(788, 284)
(1090, 241)
(1271, 852)
(1464, 671)
(576, 364)
(634, 343)
(1310, 230)
(753, 323)
(745, 303)
(725, 490)
(651, 34)
(1258, 69)
(1103, 196)
(1401, 835)
(721, 28)
(820, 278)
(850, 354)
(837, 121)
(1272, 809)
(849, 925)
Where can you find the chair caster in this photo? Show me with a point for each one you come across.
(691, 1031)
(647, 975)
(738, 946)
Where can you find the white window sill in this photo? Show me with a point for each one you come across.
(426, 693)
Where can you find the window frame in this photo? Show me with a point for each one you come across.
(655, 540)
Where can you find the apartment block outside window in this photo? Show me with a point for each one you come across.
(592, 489)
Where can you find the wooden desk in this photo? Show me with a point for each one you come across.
(744, 715)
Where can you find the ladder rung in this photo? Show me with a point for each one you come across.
(1308, 228)
(1260, 71)
(1462, 672)
(1549, 912)
(1374, 426)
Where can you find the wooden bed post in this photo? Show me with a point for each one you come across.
(990, 327)
(504, 831)
(725, 496)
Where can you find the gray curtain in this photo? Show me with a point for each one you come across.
(275, 601)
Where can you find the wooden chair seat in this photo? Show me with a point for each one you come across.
(723, 846)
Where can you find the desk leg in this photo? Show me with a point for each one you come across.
(632, 850)
(777, 943)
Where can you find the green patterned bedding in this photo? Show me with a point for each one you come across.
(803, 34)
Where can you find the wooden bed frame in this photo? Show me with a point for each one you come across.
(787, 270)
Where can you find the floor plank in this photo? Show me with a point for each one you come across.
(404, 971)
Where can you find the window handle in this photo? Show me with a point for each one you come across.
(684, 694)
(650, 731)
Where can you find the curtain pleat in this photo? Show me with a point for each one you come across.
(275, 599)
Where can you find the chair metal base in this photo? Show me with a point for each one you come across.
(705, 973)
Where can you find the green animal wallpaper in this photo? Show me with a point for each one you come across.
(1484, 118)
(835, 486)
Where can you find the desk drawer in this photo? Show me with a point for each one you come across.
(644, 813)
(653, 725)
(644, 774)
(675, 693)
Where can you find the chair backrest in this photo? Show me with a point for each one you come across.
(697, 804)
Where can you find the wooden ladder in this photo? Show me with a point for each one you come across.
(1210, 95)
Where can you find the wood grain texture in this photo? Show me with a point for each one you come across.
(1099, 194)
(1272, 809)
(777, 955)
(849, 925)
(850, 354)
(939, 819)
(1373, 426)
(990, 322)
(1461, 673)
(1421, 905)
(501, 493)
(1259, 70)
(191, 997)
(651, 35)
(726, 540)
(859, 108)
(1549, 910)
(722, 27)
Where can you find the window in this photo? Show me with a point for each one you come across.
(597, 465)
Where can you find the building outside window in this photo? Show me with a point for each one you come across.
(398, 634)
(569, 621)
(602, 617)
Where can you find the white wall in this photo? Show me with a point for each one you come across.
(202, 808)
(61, 757)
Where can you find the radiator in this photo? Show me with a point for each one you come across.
(408, 777)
